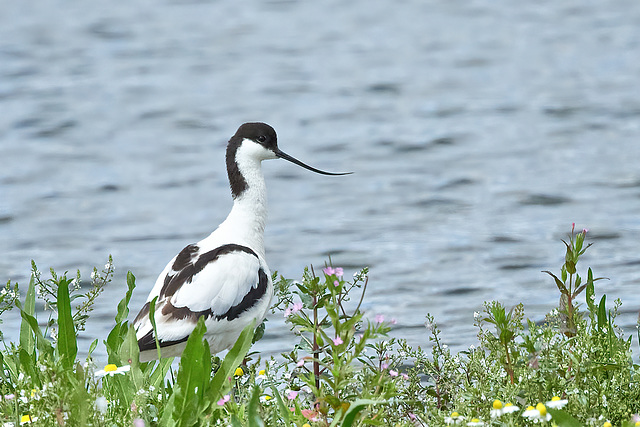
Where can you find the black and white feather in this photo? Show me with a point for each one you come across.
(224, 277)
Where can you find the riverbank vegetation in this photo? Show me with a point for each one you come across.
(574, 369)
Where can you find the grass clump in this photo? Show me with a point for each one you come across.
(575, 368)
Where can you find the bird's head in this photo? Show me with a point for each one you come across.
(259, 141)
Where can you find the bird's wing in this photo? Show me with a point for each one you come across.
(220, 284)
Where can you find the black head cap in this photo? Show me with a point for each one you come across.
(261, 133)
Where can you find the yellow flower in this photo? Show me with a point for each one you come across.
(27, 419)
(239, 372)
(306, 425)
(497, 404)
(262, 372)
(606, 424)
(539, 413)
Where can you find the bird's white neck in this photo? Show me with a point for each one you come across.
(247, 219)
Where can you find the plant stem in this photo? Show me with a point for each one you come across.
(316, 348)
(509, 368)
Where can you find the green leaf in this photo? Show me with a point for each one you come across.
(43, 345)
(28, 366)
(152, 319)
(259, 332)
(284, 411)
(130, 355)
(160, 372)
(123, 305)
(602, 313)
(563, 419)
(355, 407)
(27, 338)
(590, 291)
(67, 345)
(254, 409)
(92, 347)
(559, 283)
(193, 377)
(232, 360)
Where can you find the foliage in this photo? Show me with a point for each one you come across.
(343, 370)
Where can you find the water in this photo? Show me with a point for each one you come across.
(478, 132)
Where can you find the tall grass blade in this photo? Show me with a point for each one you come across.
(234, 358)
(27, 337)
(254, 409)
(193, 378)
(67, 345)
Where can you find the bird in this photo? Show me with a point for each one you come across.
(223, 277)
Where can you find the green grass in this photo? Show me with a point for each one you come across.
(343, 371)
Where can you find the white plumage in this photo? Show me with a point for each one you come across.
(223, 277)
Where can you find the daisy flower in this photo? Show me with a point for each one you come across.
(475, 422)
(499, 409)
(556, 402)
(112, 370)
(539, 413)
(455, 418)
(509, 408)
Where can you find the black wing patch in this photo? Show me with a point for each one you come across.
(148, 342)
(185, 270)
(249, 300)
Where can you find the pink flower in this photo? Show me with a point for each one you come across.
(336, 283)
(337, 341)
(412, 416)
(138, 422)
(384, 366)
(329, 271)
(379, 318)
(310, 414)
(394, 321)
(296, 307)
(292, 394)
(404, 376)
(393, 373)
(224, 400)
(300, 363)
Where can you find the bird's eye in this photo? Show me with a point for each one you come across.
(262, 138)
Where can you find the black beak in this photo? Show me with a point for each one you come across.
(285, 156)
